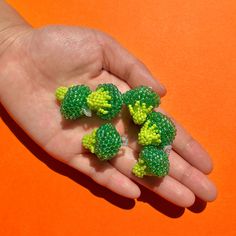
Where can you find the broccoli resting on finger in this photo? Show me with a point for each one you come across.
(158, 130)
(106, 101)
(141, 101)
(73, 101)
(104, 142)
(152, 161)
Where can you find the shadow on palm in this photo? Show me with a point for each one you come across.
(99, 191)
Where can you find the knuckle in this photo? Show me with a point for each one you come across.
(101, 178)
(188, 143)
(108, 181)
(188, 171)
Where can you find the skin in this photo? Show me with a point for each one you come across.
(34, 62)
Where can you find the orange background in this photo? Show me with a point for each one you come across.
(191, 46)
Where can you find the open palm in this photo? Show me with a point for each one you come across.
(41, 60)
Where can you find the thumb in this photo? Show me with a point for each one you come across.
(118, 61)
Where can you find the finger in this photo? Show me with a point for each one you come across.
(121, 63)
(189, 149)
(192, 178)
(166, 187)
(105, 174)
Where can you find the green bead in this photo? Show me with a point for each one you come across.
(74, 103)
(152, 161)
(104, 142)
(106, 101)
(143, 94)
(165, 127)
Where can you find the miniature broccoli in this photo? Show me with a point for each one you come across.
(73, 101)
(158, 130)
(106, 101)
(104, 142)
(152, 161)
(141, 101)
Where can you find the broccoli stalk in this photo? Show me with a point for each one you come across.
(139, 112)
(89, 141)
(152, 162)
(149, 134)
(98, 101)
(104, 142)
(60, 93)
(140, 169)
(106, 101)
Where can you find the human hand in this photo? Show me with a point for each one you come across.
(38, 61)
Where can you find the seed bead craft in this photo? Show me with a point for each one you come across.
(140, 102)
(73, 101)
(156, 135)
(106, 101)
(79, 100)
(104, 142)
(152, 162)
(158, 130)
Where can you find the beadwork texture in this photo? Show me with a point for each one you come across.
(74, 103)
(105, 142)
(141, 101)
(60, 93)
(152, 161)
(157, 130)
(149, 134)
(106, 101)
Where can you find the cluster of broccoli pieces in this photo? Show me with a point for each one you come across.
(106, 101)
(79, 100)
(157, 131)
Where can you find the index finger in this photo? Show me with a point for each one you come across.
(190, 149)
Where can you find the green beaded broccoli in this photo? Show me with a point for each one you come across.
(141, 101)
(105, 142)
(73, 101)
(152, 161)
(158, 130)
(106, 101)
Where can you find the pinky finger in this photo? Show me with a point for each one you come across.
(105, 174)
